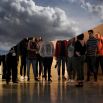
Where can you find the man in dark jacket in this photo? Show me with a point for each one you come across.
(12, 61)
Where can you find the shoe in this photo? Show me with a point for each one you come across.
(36, 79)
(15, 81)
(80, 84)
(21, 78)
(25, 77)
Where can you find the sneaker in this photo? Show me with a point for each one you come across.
(25, 77)
(21, 78)
(36, 79)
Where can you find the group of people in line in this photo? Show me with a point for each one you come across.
(71, 54)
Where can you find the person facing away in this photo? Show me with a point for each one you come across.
(32, 58)
(79, 56)
(46, 52)
(61, 57)
(99, 55)
(92, 44)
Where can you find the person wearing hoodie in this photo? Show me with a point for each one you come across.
(46, 52)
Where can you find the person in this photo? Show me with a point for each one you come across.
(3, 59)
(79, 56)
(46, 52)
(32, 50)
(91, 55)
(12, 62)
(99, 55)
(39, 58)
(23, 52)
(61, 56)
(70, 70)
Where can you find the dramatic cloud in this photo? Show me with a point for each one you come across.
(96, 9)
(22, 18)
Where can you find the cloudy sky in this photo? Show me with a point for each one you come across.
(51, 19)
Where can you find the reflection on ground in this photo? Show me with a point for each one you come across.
(54, 92)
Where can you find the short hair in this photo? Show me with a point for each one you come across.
(90, 31)
(80, 37)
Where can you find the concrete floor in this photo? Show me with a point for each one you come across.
(54, 92)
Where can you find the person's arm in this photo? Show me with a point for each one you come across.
(77, 49)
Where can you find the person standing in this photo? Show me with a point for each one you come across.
(99, 57)
(79, 56)
(32, 58)
(92, 44)
(71, 71)
(12, 62)
(39, 58)
(23, 52)
(46, 52)
(61, 57)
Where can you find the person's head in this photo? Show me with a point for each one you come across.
(80, 37)
(91, 33)
(98, 36)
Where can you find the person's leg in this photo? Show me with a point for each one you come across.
(34, 61)
(8, 73)
(82, 68)
(63, 67)
(101, 63)
(88, 67)
(58, 66)
(73, 69)
(40, 66)
(24, 66)
(14, 72)
(97, 64)
(69, 68)
(50, 59)
(21, 66)
(45, 67)
(28, 68)
(93, 61)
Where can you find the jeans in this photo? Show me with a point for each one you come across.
(70, 69)
(23, 64)
(91, 68)
(33, 62)
(61, 60)
(47, 62)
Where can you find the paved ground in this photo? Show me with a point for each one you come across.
(55, 92)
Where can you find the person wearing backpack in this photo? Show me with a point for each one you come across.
(99, 57)
(47, 52)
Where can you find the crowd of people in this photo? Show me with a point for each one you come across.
(71, 54)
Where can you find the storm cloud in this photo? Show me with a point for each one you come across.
(23, 18)
(96, 9)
